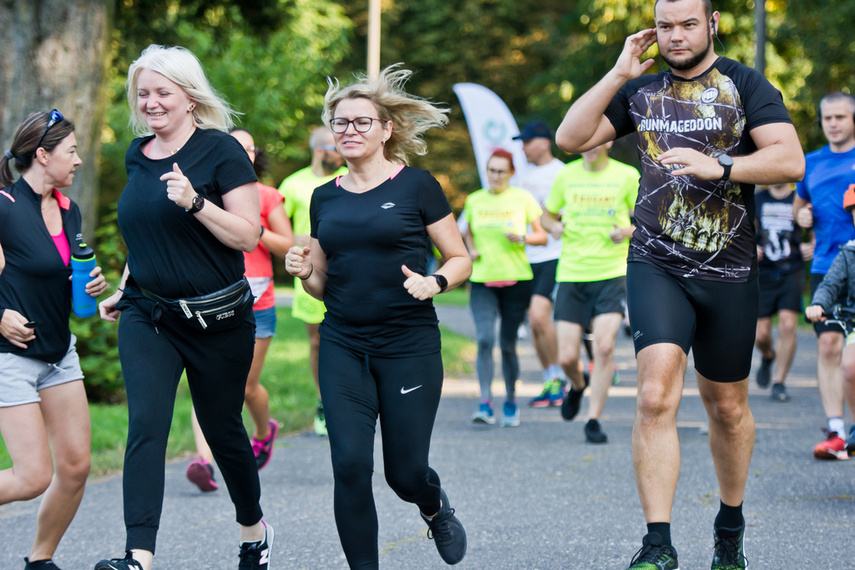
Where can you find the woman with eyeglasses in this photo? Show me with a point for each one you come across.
(501, 282)
(380, 345)
(276, 237)
(188, 212)
(44, 414)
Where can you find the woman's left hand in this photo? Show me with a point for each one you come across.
(420, 286)
(97, 285)
(178, 187)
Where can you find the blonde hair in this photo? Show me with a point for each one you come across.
(411, 116)
(180, 66)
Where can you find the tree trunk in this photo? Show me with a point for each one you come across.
(55, 54)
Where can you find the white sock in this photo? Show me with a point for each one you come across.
(836, 424)
(555, 371)
(547, 374)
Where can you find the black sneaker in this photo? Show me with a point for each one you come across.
(594, 432)
(40, 564)
(447, 532)
(729, 554)
(126, 563)
(764, 374)
(570, 405)
(779, 392)
(654, 555)
(256, 555)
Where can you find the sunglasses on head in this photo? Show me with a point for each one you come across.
(55, 117)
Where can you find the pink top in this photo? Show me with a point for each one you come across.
(61, 243)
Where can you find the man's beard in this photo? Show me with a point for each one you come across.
(330, 165)
(692, 61)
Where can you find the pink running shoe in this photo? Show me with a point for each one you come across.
(201, 474)
(263, 450)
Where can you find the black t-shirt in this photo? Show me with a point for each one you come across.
(687, 226)
(367, 238)
(170, 252)
(35, 280)
(777, 234)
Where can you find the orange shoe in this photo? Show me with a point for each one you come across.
(833, 447)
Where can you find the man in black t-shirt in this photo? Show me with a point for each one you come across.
(780, 252)
(708, 129)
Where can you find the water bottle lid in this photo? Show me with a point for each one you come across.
(83, 253)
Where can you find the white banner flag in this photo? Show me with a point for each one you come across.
(491, 126)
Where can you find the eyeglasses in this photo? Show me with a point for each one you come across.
(361, 124)
(55, 117)
(329, 146)
(495, 172)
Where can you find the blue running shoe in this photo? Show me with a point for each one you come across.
(510, 415)
(484, 415)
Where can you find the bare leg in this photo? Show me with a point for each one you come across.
(849, 380)
(543, 332)
(655, 444)
(26, 440)
(569, 345)
(66, 415)
(786, 348)
(763, 337)
(605, 328)
(256, 399)
(202, 448)
(829, 373)
(731, 435)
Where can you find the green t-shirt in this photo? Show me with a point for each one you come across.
(593, 203)
(490, 217)
(297, 190)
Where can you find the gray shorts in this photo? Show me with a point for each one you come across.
(23, 378)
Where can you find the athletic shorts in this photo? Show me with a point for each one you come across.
(820, 327)
(305, 307)
(580, 302)
(543, 281)
(23, 378)
(265, 323)
(716, 320)
(781, 292)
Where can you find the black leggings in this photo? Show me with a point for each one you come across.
(153, 356)
(404, 393)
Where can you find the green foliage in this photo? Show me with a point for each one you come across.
(97, 340)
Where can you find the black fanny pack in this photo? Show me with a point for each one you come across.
(214, 312)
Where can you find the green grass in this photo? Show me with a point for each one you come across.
(286, 376)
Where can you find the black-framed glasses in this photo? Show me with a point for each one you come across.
(495, 172)
(361, 124)
(55, 117)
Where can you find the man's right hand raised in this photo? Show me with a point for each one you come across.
(629, 65)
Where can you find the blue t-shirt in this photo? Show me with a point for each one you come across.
(827, 176)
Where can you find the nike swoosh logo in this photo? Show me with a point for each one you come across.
(408, 390)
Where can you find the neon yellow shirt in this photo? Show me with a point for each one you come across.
(297, 190)
(490, 217)
(593, 203)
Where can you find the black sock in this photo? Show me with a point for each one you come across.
(729, 518)
(663, 530)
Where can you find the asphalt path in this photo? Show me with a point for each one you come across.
(536, 496)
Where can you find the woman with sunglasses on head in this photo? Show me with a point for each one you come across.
(44, 414)
(501, 282)
(380, 345)
(188, 212)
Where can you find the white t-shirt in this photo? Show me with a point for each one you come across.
(538, 181)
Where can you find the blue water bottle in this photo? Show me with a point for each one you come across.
(82, 264)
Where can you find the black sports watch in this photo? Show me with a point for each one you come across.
(441, 281)
(726, 162)
(198, 204)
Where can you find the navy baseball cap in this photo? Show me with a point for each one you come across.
(533, 130)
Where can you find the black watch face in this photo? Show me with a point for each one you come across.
(198, 202)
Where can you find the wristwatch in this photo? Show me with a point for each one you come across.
(726, 162)
(441, 281)
(198, 204)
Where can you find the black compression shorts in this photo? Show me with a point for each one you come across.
(781, 292)
(716, 320)
(580, 302)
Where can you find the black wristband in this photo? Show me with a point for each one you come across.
(311, 270)
(441, 281)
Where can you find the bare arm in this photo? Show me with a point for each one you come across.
(551, 224)
(2, 259)
(107, 307)
(585, 125)
(802, 212)
(279, 238)
(778, 158)
(309, 264)
(456, 264)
